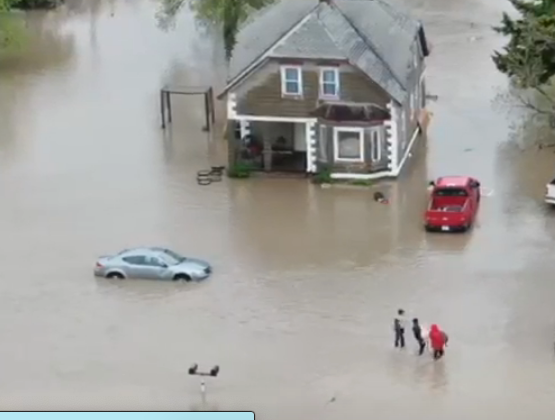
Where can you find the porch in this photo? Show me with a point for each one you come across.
(339, 138)
(272, 146)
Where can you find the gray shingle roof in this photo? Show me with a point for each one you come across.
(372, 35)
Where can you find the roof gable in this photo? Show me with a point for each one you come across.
(311, 39)
(372, 35)
(264, 29)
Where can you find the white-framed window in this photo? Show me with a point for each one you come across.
(291, 80)
(376, 143)
(329, 82)
(348, 144)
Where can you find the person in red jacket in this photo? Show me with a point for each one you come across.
(438, 341)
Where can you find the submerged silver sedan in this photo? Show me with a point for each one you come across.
(151, 263)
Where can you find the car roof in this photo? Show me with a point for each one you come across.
(453, 181)
(143, 249)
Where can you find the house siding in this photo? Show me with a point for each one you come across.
(260, 94)
(410, 110)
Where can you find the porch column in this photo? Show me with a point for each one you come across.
(231, 106)
(311, 151)
(392, 138)
(245, 128)
(267, 153)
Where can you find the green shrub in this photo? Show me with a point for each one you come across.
(323, 176)
(240, 170)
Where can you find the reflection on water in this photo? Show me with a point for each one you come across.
(298, 312)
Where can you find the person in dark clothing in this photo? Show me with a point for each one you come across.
(417, 331)
(399, 329)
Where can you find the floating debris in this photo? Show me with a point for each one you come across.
(380, 198)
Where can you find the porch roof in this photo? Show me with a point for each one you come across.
(351, 112)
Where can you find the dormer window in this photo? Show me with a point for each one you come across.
(291, 81)
(329, 82)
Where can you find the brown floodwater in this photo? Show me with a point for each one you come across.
(298, 312)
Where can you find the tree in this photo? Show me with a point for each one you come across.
(528, 59)
(10, 27)
(227, 15)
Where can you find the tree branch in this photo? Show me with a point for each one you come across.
(528, 104)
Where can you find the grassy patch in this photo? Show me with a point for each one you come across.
(361, 182)
(240, 170)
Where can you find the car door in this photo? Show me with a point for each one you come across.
(155, 268)
(135, 266)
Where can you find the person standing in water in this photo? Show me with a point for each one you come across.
(438, 341)
(419, 336)
(399, 324)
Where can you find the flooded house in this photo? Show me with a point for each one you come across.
(329, 85)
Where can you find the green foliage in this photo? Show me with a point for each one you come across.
(528, 59)
(240, 170)
(11, 27)
(228, 15)
(323, 176)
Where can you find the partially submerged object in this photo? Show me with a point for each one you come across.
(151, 263)
(453, 204)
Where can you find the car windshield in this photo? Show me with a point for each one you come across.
(450, 192)
(172, 258)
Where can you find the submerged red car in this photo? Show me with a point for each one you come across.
(453, 204)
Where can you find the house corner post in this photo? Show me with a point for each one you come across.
(245, 128)
(232, 143)
(231, 106)
(311, 152)
(392, 139)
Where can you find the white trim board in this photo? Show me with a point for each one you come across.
(397, 170)
(375, 175)
(273, 119)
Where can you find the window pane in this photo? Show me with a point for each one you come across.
(451, 192)
(291, 74)
(348, 145)
(292, 87)
(135, 260)
(328, 76)
(329, 89)
(375, 144)
(152, 261)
